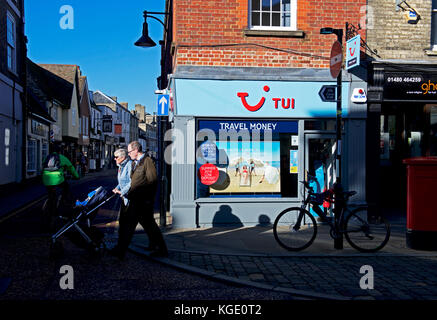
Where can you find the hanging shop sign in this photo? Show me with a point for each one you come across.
(410, 86)
(353, 52)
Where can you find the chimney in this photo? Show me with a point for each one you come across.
(125, 105)
(114, 98)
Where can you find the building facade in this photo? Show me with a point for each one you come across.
(12, 91)
(245, 86)
(402, 106)
(68, 76)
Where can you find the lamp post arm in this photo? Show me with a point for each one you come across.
(148, 14)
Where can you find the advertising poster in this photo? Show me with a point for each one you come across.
(293, 161)
(253, 167)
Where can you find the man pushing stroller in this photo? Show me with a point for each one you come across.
(138, 194)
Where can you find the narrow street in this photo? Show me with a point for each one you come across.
(27, 273)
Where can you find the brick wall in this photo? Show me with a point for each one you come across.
(393, 37)
(212, 33)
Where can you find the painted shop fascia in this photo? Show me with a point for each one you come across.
(263, 128)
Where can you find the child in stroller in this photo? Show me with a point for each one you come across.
(78, 227)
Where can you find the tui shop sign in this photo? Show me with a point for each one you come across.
(410, 86)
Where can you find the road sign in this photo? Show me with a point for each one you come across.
(328, 93)
(163, 103)
(353, 52)
(336, 59)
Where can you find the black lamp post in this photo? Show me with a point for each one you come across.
(338, 242)
(146, 42)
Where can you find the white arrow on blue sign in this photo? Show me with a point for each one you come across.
(163, 103)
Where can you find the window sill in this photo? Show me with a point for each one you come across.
(431, 52)
(274, 33)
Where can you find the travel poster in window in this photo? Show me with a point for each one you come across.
(254, 167)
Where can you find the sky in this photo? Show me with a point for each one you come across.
(101, 43)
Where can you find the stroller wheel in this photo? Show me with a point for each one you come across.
(56, 250)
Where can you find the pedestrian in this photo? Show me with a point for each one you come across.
(124, 164)
(55, 166)
(141, 196)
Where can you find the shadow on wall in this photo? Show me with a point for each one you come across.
(225, 218)
(264, 221)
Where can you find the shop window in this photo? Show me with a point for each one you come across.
(254, 158)
(273, 14)
(31, 155)
(44, 150)
(320, 125)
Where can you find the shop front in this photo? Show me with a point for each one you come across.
(241, 144)
(403, 113)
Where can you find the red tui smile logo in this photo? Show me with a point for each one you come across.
(288, 103)
(243, 95)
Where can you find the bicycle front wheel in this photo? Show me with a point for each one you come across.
(365, 232)
(291, 236)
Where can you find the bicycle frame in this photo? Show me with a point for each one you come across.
(334, 225)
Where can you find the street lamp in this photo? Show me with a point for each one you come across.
(146, 42)
(338, 242)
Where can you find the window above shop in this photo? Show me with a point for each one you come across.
(273, 14)
(276, 18)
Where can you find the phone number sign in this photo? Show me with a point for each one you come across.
(410, 86)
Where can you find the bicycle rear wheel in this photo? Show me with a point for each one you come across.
(293, 237)
(366, 233)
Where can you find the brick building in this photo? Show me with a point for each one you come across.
(402, 117)
(245, 77)
(12, 91)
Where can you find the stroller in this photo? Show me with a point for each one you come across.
(78, 227)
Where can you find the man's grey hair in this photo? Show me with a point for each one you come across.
(135, 145)
(120, 153)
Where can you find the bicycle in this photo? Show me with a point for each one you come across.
(57, 201)
(295, 228)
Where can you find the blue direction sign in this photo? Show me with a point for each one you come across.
(328, 93)
(163, 103)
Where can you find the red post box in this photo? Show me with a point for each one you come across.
(422, 203)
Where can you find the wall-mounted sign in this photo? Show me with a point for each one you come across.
(328, 93)
(107, 125)
(118, 129)
(410, 86)
(359, 95)
(246, 125)
(268, 99)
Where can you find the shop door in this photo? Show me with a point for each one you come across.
(320, 160)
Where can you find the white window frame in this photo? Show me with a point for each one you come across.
(293, 18)
(11, 45)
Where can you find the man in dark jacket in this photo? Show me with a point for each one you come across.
(141, 196)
